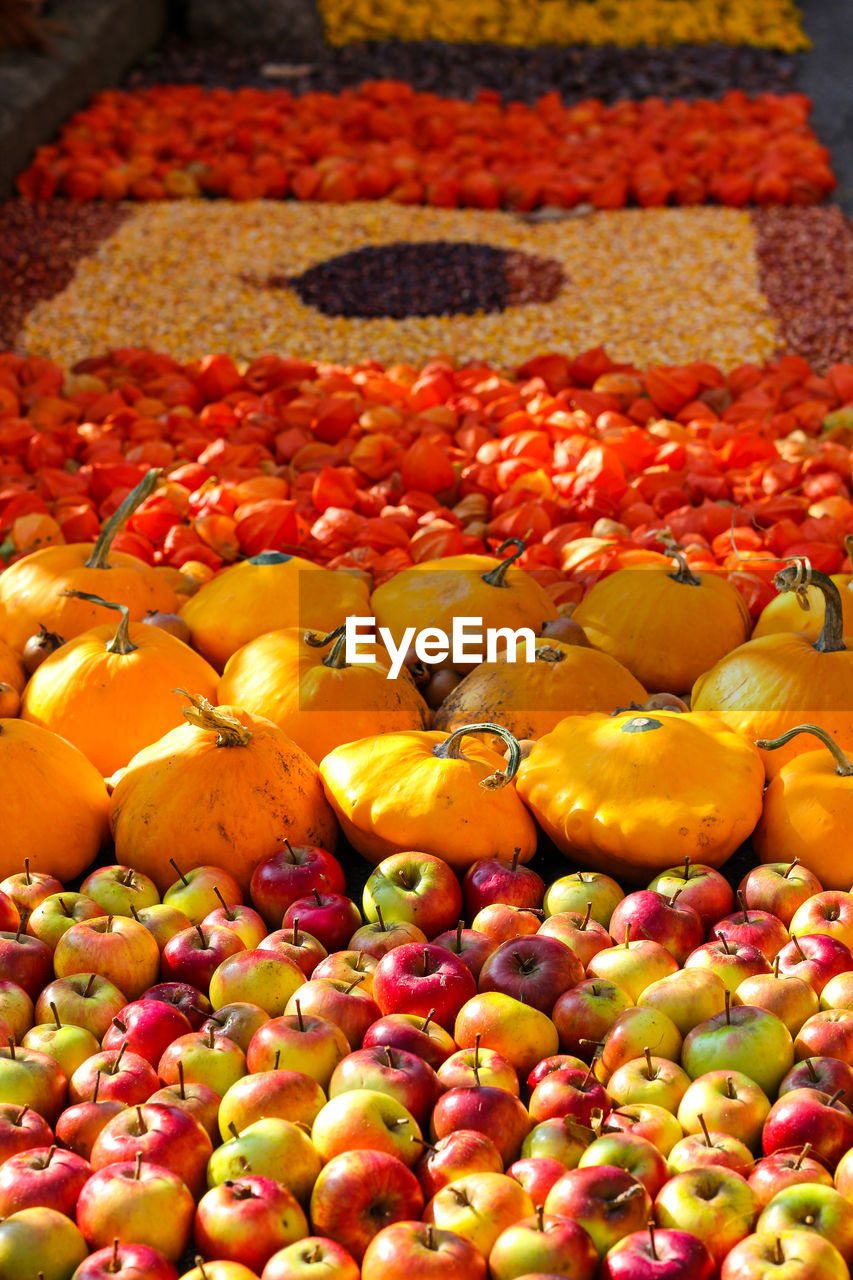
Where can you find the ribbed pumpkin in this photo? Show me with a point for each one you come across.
(530, 698)
(808, 809)
(771, 684)
(110, 690)
(308, 689)
(432, 594)
(666, 627)
(633, 794)
(426, 791)
(224, 788)
(53, 800)
(268, 592)
(34, 590)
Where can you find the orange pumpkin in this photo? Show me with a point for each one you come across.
(110, 690)
(804, 612)
(34, 590)
(11, 668)
(224, 788)
(317, 698)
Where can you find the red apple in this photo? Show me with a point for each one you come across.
(703, 888)
(45, 1177)
(421, 1036)
(28, 888)
(696, 1150)
(10, 916)
(401, 1075)
(136, 1203)
(423, 980)
(247, 1221)
(607, 1202)
(21, 1129)
(585, 936)
(657, 1254)
(414, 887)
(754, 928)
(779, 887)
(360, 1192)
(728, 1102)
(631, 1152)
(807, 1115)
(796, 1255)
(298, 1041)
(290, 873)
(816, 958)
(584, 1015)
(568, 1092)
(128, 1261)
(472, 948)
(475, 1066)
(194, 954)
(25, 960)
(537, 1174)
(649, 915)
(546, 1240)
(536, 970)
(502, 922)
(191, 1002)
(332, 918)
(84, 1000)
(248, 925)
(488, 1110)
(16, 1009)
(256, 977)
(79, 1125)
(732, 962)
(166, 1135)
(287, 1095)
(196, 1099)
(148, 1027)
(478, 1208)
(423, 1252)
(314, 1258)
(827, 1034)
(784, 1169)
(826, 1074)
(117, 947)
(501, 880)
(295, 944)
(343, 1003)
(116, 1073)
(455, 1156)
(829, 912)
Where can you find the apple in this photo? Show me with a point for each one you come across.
(136, 1203)
(423, 1252)
(607, 1202)
(195, 892)
(423, 980)
(381, 935)
(44, 1177)
(696, 1150)
(730, 1101)
(516, 1031)
(491, 880)
(28, 888)
(421, 1036)
(573, 892)
(133, 1261)
(247, 1221)
(148, 1027)
(358, 1193)
(828, 1034)
(628, 1151)
(687, 997)
(844, 1174)
(472, 948)
(25, 960)
(646, 914)
(117, 889)
(166, 1136)
(649, 1121)
(270, 1148)
(812, 1207)
(40, 1243)
(184, 996)
(479, 1207)
(219, 1269)
(648, 1079)
(210, 1059)
(779, 887)
(343, 1003)
(401, 1075)
(489, 1110)
(366, 1118)
(455, 1156)
(248, 925)
(568, 1092)
(349, 966)
(10, 916)
(29, 1078)
(838, 992)
(162, 922)
(658, 1255)
(563, 1139)
(584, 1015)
(535, 970)
(314, 1258)
(698, 886)
(296, 945)
(791, 999)
(581, 933)
(633, 965)
(298, 1041)
(807, 1115)
(829, 912)
(537, 1174)
(557, 1062)
(816, 958)
(414, 887)
(732, 962)
(290, 873)
(117, 947)
(56, 913)
(115, 1073)
(238, 1022)
(794, 1255)
(194, 954)
(475, 1066)
(502, 922)
(83, 1000)
(70, 1046)
(633, 1031)
(79, 1125)
(754, 928)
(714, 1203)
(21, 1129)
(743, 1038)
(784, 1169)
(332, 918)
(16, 1009)
(256, 977)
(198, 1100)
(544, 1243)
(289, 1095)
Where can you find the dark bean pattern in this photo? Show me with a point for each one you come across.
(805, 261)
(459, 71)
(434, 278)
(40, 245)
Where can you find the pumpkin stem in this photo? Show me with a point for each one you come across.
(334, 658)
(843, 767)
(683, 572)
(121, 641)
(228, 729)
(99, 559)
(547, 653)
(797, 578)
(497, 577)
(451, 749)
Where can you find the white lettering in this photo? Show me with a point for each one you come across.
(396, 652)
(467, 631)
(432, 645)
(359, 631)
(512, 639)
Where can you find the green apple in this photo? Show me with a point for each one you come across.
(633, 965)
(632, 1033)
(195, 892)
(270, 1148)
(365, 1119)
(479, 1208)
(256, 977)
(730, 1102)
(562, 1138)
(787, 1255)
(205, 1058)
(810, 1206)
(743, 1038)
(118, 890)
(162, 921)
(649, 1079)
(543, 1244)
(715, 1204)
(40, 1242)
(688, 997)
(288, 1095)
(575, 891)
(67, 1044)
(16, 1008)
(55, 915)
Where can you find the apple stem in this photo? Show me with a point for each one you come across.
(27, 877)
(127, 878)
(428, 1019)
(730, 1087)
(584, 923)
(181, 1085)
(430, 1236)
(796, 943)
(647, 1053)
(56, 1018)
(137, 1171)
(19, 1118)
(742, 900)
(199, 1262)
(627, 936)
(591, 1069)
(51, 1153)
(211, 1043)
(778, 1255)
(477, 1039)
(686, 875)
(317, 898)
(229, 914)
(809, 1220)
(64, 905)
(671, 901)
(839, 1093)
(97, 1087)
(721, 937)
(22, 924)
(181, 875)
(115, 1066)
(652, 1248)
(776, 966)
(460, 925)
(389, 1056)
(728, 1000)
(790, 868)
(117, 1023)
(354, 984)
(114, 1260)
(382, 925)
(109, 927)
(233, 1130)
(516, 854)
(358, 961)
(475, 1067)
(200, 933)
(89, 985)
(540, 1217)
(801, 1157)
(134, 913)
(316, 1254)
(295, 938)
(299, 1020)
(212, 1017)
(276, 1059)
(708, 1142)
(10, 1040)
(140, 1120)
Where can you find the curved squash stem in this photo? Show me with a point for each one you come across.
(683, 572)
(334, 659)
(797, 577)
(843, 767)
(451, 749)
(121, 641)
(497, 577)
(230, 732)
(99, 559)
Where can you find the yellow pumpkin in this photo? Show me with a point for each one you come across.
(530, 698)
(771, 684)
(316, 697)
(268, 592)
(35, 591)
(786, 613)
(666, 628)
(111, 691)
(53, 800)
(432, 594)
(633, 794)
(808, 810)
(225, 788)
(400, 791)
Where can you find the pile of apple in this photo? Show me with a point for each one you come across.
(581, 1083)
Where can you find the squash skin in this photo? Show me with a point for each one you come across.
(808, 814)
(280, 676)
(633, 794)
(390, 795)
(786, 614)
(186, 798)
(530, 699)
(54, 803)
